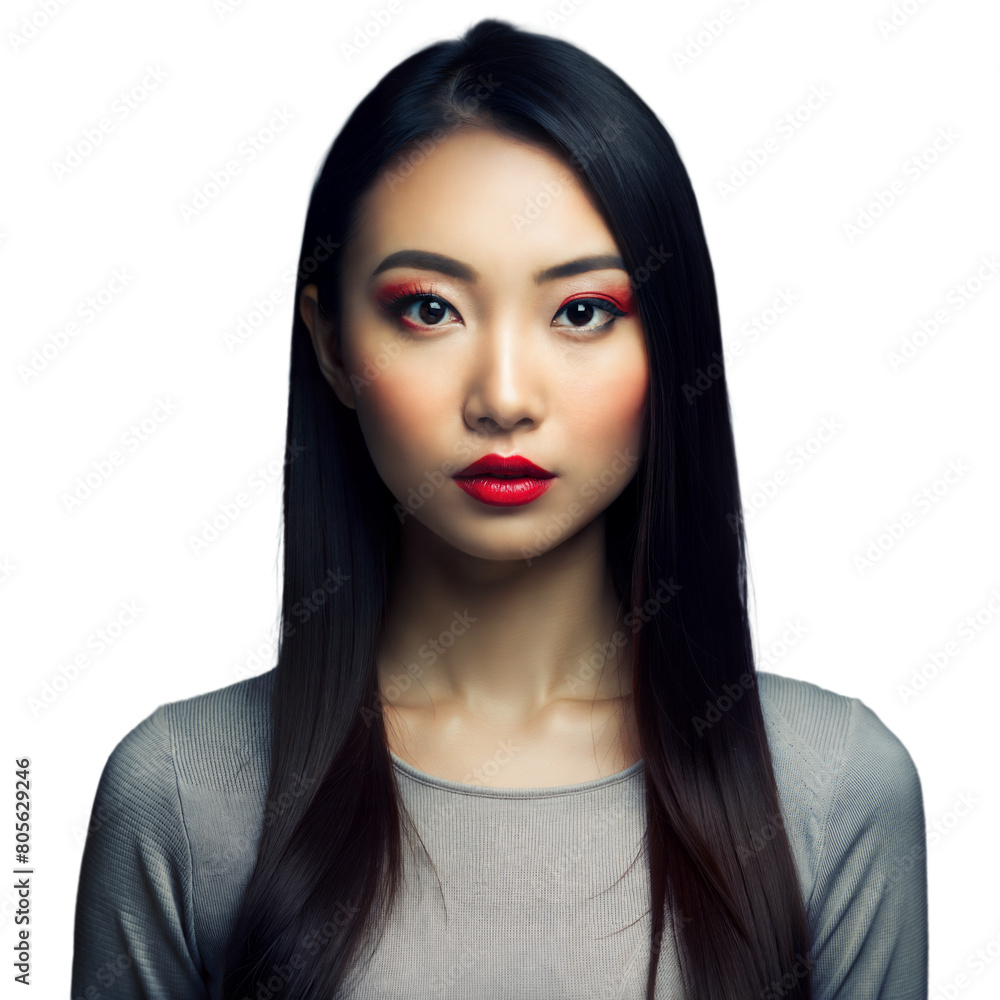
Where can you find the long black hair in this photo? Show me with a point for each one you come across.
(328, 863)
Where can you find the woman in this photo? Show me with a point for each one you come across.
(515, 744)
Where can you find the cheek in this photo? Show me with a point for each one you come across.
(400, 414)
(616, 403)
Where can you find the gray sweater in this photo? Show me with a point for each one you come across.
(531, 903)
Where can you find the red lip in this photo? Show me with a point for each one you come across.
(512, 467)
(504, 482)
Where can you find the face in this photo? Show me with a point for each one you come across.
(486, 311)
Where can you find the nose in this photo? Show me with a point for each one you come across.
(505, 386)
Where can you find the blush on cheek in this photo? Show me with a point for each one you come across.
(617, 416)
(402, 416)
(629, 399)
(392, 400)
(615, 401)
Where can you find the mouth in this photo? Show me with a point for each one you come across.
(511, 467)
(504, 482)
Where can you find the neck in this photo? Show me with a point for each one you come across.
(503, 639)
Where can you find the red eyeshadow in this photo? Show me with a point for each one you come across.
(620, 295)
(393, 290)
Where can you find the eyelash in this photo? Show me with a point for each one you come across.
(407, 295)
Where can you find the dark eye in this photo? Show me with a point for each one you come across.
(429, 310)
(581, 313)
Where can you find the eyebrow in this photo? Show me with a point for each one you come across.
(429, 261)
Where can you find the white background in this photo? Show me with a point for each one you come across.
(64, 574)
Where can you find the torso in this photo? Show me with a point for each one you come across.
(570, 742)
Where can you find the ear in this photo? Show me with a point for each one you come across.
(324, 339)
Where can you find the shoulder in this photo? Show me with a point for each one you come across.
(171, 840)
(840, 771)
(831, 729)
(185, 787)
(221, 738)
(217, 739)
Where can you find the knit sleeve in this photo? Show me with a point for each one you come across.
(133, 933)
(868, 910)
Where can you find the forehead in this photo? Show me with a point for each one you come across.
(486, 198)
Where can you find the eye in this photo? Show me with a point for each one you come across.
(581, 313)
(429, 311)
(420, 308)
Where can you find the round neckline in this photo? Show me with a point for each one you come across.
(487, 791)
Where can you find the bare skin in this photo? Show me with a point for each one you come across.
(485, 735)
(492, 666)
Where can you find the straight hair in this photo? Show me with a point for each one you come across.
(328, 863)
